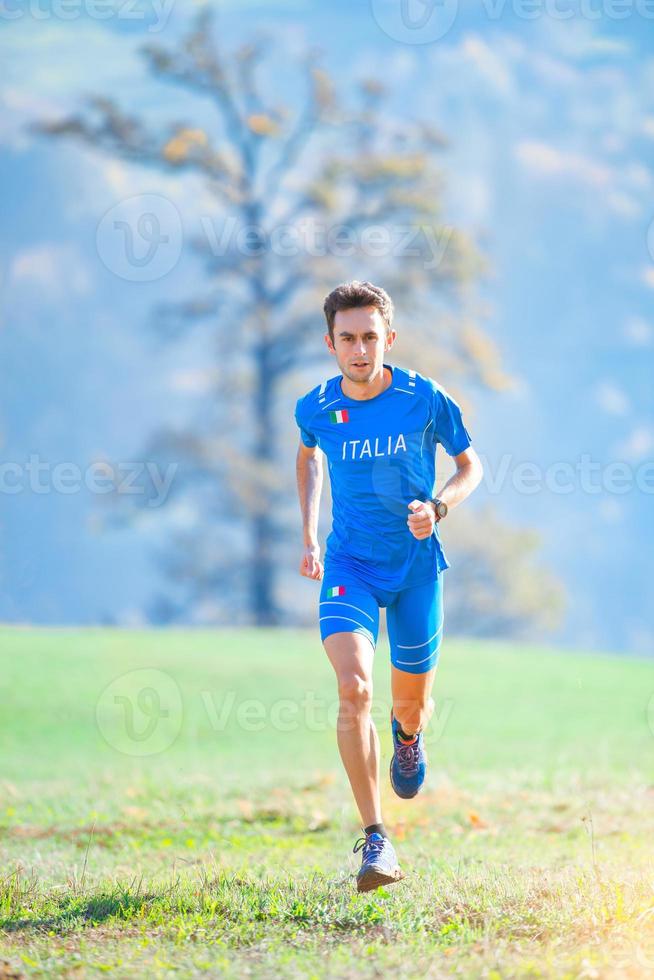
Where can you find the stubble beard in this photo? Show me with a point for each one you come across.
(362, 375)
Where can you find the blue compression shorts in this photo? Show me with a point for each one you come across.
(414, 616)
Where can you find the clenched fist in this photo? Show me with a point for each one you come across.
(311, 566)
(421, 521)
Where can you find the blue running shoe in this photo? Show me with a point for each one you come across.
(408, 765)
(379, 864)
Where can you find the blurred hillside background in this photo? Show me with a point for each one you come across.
(183, 183)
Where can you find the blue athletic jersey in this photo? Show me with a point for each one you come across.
(381, 455)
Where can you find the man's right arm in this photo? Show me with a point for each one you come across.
(309, 486)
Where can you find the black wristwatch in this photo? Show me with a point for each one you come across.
(440, 508)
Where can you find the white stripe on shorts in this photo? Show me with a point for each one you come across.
(335, 602)
(348, 620)
(414, 663)
(415, 646)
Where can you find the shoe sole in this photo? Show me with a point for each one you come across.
(373, 878)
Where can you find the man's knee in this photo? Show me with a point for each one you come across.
(355, 691)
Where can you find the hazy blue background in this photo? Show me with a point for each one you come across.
(551, 129)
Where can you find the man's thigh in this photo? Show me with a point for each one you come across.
(415, 627)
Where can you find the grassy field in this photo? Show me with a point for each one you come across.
(172, 803)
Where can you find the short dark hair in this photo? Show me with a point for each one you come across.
(350, 295)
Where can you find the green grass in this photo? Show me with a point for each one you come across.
(211, 834)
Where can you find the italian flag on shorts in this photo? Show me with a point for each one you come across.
(336, 590)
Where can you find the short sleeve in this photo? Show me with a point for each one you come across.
(449, 428)
(307, 437)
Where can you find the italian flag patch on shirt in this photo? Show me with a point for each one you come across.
(340, 416)
(336, 590)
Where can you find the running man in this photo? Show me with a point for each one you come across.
(379, 426)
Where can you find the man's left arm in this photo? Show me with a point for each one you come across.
(467, 478)
(469, 472)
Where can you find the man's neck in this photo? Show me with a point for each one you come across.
(364, 390)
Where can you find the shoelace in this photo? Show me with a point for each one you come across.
(407, 757)
(369, 846)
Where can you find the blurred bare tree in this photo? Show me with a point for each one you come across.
(499, 589)
(360, 181)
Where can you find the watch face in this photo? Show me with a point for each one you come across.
(441, 508)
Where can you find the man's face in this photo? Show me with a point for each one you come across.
(360, 342)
